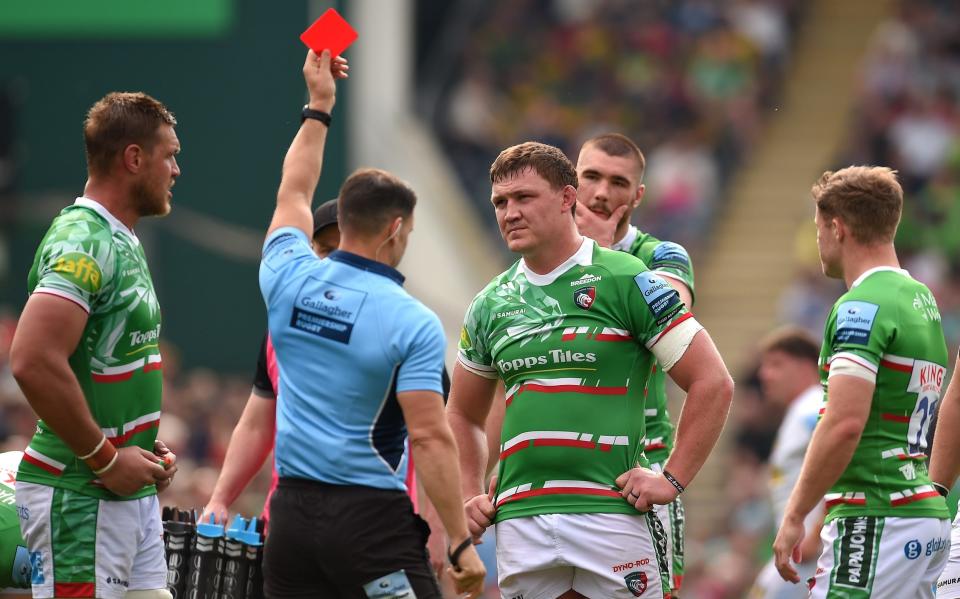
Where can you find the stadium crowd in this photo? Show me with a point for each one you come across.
(688, 80)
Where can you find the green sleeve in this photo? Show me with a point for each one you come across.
(474, 350)
(652, 305)
(76, 261)
(863, 329)
(672, 258)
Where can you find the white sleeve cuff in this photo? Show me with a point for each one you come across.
(841, 364)
(476, 368)
(673, 342)
(65, 295)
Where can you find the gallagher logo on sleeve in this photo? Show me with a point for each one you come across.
(584, 297)
(661, 298)
(855, 321)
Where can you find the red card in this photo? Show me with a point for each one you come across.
(329, 32)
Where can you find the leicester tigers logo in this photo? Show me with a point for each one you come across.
(584, 297)
(636, 582)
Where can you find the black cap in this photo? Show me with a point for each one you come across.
(325, 214)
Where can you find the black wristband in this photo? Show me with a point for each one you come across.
(942, 489)
(673, 481)
(454, 556)
(309, 113)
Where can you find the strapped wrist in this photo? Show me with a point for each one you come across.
(92, 453)
(102, 456)
(110, 464)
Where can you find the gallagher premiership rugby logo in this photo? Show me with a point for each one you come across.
(584, 297)
(636, 582)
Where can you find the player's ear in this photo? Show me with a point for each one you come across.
(132, 157)
(639, 198)
(569, 198)
(839, 229)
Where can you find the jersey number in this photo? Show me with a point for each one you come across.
(925, 380)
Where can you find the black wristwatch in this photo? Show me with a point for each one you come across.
(309, 113)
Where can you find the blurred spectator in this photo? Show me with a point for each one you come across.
(908, 117)
(688, 79)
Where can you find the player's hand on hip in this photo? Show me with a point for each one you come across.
(643, 488)
(468, 573)
(596, 226)
(134, 469)
(787, 546)
(480, 511)
(169, 464)
(320, 73)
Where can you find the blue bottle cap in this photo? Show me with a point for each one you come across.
(210, 529)
(250, 536)
(236, 528)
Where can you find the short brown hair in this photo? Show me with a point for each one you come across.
(792, 341)
(868, 199)
(547, 161)
(615, 144)
(118, 120)
(370, 198)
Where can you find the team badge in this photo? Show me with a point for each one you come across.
(636, 582)
(584, 297)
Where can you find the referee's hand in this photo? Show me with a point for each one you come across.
(468, 574)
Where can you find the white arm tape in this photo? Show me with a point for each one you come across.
(674, 343)
(845, 366)
(482, 370)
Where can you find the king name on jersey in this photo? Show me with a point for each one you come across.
(553, 356)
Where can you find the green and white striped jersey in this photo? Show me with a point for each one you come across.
(889, 325)
(574, 349)
(669, 260)
(92, 259)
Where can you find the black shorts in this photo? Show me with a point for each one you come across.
(328, 541)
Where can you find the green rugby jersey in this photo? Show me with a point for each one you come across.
(14, 557)
(574, 349)
(91, 258)
(672, 261)
(889, 323)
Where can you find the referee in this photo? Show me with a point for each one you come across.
(341, 522)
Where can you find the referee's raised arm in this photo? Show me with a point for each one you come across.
(301, 167)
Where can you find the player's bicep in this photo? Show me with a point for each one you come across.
(471, 395)
(848, 401)
(699, 360)
(50, 327)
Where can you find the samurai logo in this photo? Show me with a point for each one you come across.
(636, 582)
(584, 297)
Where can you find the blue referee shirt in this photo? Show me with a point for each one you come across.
(348, 338)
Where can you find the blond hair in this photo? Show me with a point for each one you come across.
(868, 199)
